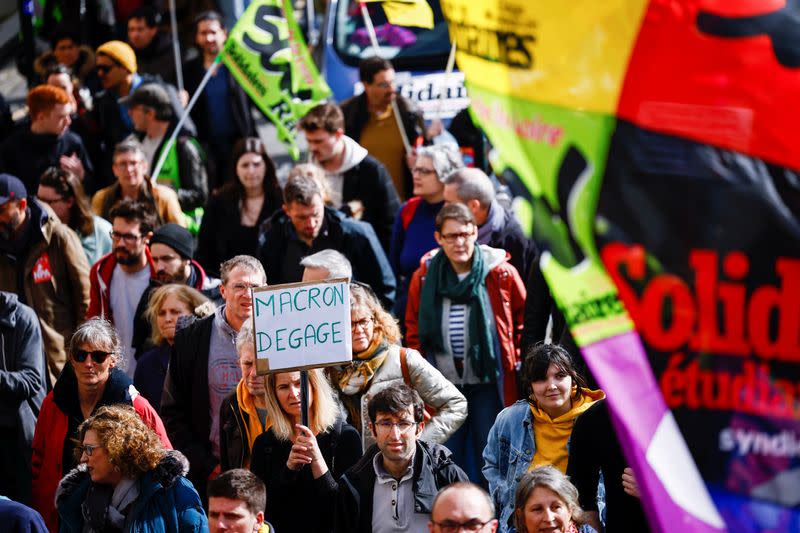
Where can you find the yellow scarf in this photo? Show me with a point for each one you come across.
(354, 379)
(551, 434)
(253, 427)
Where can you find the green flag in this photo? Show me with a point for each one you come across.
(266, 54)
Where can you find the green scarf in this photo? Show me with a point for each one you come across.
(441, 281)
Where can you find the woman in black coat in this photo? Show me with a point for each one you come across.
(299, 464)
(233, 215)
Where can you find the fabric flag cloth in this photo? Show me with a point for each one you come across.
(266, 54)
(417, 13)
(656, 139)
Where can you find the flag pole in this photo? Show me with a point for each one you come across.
(176, 45)
(168, 146)
(374, 41)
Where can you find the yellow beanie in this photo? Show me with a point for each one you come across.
(120, 52)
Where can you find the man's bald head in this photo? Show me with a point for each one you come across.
(461, 504)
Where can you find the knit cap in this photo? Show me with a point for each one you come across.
(120, 52)
(176, 237)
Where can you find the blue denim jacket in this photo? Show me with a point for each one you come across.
(508, 454)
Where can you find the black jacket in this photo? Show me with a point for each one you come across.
(193, 72)
(370, 182)
(109, 128)
(185, 404)
(356, 116)
(221, 235)
(595, 449)
(193, 190)
(233, 450)
(158, 59)
(434, 469)
(289, 493)
(355, 239)
(27, 155)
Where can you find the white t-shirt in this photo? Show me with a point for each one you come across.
(149, 147)
(126, 291)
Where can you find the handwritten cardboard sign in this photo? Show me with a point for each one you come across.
(302, 325)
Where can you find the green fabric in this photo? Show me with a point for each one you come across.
(441, 282)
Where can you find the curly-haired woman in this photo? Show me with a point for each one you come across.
(126, 481)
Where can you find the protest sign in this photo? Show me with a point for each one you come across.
(666, 198)
(302, 325)
(266, 54)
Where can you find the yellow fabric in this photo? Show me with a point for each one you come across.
(253, 428)
(551, 435)
(382, 140)
(416, 13)
(120, 52)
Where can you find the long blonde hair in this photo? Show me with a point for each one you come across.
(322, 414)
(384, 322)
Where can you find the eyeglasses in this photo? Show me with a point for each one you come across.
(452, 238)
(88, 449)
(364, 323)
(423, 171)
(98, 356)
(403, 425)
(451, 526)
(130, 238)
(244, 287)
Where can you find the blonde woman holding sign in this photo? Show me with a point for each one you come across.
(300, 464)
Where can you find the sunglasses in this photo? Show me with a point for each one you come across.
(98, 356)
(103, 69)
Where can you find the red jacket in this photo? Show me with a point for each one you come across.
(48, 445)
(100, 284)
(507, 296)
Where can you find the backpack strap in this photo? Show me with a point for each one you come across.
(404, 367)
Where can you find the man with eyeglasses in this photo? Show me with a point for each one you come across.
(463, 507)
(172, 250)
(43, 263)
(117, 68)
(392, 488)
(130, 168)
(369, 120)
(120, 278)
(204, 368)
(465, 312)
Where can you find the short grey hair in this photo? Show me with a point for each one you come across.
(550, 478)
(337, 265)
(445, 158)
(472, 184)
(129, 146)
(245, 337)
(246, 262)
(99, 334)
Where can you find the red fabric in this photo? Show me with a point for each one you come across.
(408, 210)
(100, 284)
(48, 443)
(507, 296)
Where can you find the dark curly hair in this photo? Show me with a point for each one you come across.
(539, 358)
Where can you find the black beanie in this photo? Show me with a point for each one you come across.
(176, 237)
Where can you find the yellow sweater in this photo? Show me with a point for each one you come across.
(551, 435)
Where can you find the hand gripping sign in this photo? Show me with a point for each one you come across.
(299, 326)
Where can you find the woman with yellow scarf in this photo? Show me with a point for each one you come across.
(379, 361)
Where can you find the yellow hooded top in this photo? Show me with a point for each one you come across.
(551, 435)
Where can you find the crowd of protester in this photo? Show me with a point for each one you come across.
(131, 400)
